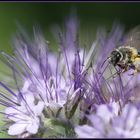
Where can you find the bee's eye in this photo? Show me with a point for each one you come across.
(118, 55)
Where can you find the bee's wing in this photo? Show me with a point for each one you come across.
(132, 38)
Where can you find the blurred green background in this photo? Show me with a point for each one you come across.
(91, 15)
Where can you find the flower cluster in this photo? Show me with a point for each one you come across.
(68, 93)
(112, 121)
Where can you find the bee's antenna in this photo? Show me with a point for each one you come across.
(104, 61)
(112, 75)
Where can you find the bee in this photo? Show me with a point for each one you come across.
(127, 56)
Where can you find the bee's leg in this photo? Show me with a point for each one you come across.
(121, 71)
(125, 69)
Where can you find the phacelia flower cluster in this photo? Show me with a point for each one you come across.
(68, 93)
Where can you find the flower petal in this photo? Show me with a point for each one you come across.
(39, 108)
(97, 123)
(86, 131)
(33, 128)
(130, 114)
(104, 113)
(17, 128)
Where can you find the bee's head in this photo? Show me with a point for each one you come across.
(114, 57)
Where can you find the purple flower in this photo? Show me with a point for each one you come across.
(22, 113)
(111, 121)
(49, 85)
(70, 91)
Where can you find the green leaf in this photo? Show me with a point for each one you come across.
(4, 134)
(57, 129)
(76, 116)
